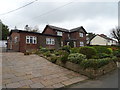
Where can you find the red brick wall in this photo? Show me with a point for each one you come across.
(24, 46)
(75, 35)
(12, 44)
(50, 31)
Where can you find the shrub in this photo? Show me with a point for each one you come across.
(59, 52)
(95, 63)
(104, 55)
(116, 53)
(103, 49)
(44, 49)
(64, 57)
(76, 57)
(48, 54)
(88, 51)
(27, 53)
(66, 48)
(53, 58)
(74, 50)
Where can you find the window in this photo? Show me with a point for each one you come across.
(81, 34)
(81, 43)
(50, 41)
(68, 43)
(31, 39)
(16, 39)
(68, 36)
(59, 33)
(61, 43)
(74, 44)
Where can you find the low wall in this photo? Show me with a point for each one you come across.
(90, 72)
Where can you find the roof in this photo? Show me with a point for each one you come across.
(22, 31)
(65, 30)
(105, 37)
(58, 28)
(77, 29)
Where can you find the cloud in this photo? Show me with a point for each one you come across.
(98, 17)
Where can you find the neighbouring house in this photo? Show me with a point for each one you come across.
(52, 37)
(102, 40)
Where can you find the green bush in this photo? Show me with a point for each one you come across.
(44, 49)
(95, 63)
(104, 55)
(59, 52)
(64, 57)
(116, 53)
(47, 54)
(88, 51)
(76, 57)
(53, 58)
(66, 48)
(74, 50)
(103, 49)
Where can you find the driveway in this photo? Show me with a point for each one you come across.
(32, 71)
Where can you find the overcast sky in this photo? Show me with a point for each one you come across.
(97, 17)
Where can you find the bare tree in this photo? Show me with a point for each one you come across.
(116, 34)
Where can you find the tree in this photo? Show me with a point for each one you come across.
(90, 36)
(116, 34)
(5, 31)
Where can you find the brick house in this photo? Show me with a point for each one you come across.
(76, 35)
(52, 37)
(20, 40)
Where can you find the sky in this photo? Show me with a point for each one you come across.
(97, 16)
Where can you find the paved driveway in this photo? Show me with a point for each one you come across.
(20, 71)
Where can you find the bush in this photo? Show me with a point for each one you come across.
(59, 52)
(47, 54)
(53, 58)
(88, 51)
(116, 53)
(74, 50)
(27, 53)
(103, 49)
(104, 55)
(95, 63)
(64, 57)
(76, 57)
(44, 49)
(66, 48)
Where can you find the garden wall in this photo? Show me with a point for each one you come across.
(90, 72)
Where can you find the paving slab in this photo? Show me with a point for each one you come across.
(33, 71)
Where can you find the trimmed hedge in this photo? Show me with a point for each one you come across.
(88, 51)
(96, 63)
(103, 49)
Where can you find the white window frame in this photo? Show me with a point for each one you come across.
(59, 33)
(81, 43)
(50, 41)
(68, 43)
(81, 34)
(61, 43)
(16, 39)
(74, 44)
(31, 40)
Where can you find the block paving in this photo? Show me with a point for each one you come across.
(32, 71)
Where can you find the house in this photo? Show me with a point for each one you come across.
(20, 40)
(102, 40)
(76, 35)
(52, 37)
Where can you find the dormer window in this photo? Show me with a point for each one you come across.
(81, 34)
(59, 33)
